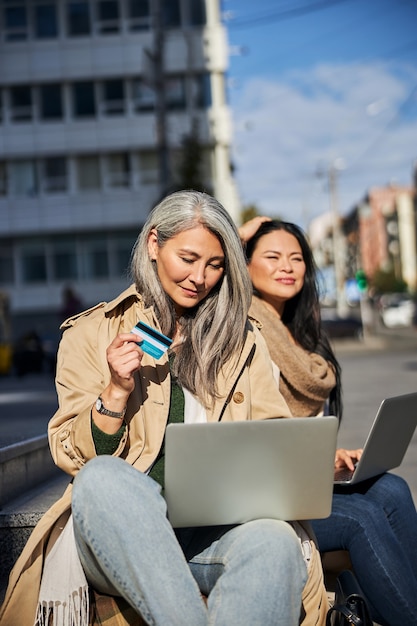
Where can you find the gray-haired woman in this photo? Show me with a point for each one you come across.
(115, 401)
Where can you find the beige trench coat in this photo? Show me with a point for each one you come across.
(247, 388)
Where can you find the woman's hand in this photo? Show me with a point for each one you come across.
(347, 458)
(124, 357)
(248, 229)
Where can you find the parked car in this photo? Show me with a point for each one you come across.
(343, 327)
(397, 310)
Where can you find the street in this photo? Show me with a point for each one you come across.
(369, 374)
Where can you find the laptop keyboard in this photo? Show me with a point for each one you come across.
(343, 474)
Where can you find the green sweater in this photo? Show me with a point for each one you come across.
(107, 444)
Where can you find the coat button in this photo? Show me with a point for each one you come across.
(238, 397)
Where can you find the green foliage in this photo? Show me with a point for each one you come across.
(385, 281)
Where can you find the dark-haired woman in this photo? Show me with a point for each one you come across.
(375, 521)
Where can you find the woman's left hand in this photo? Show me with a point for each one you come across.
(347, 458)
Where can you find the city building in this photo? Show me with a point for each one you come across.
(97, 100)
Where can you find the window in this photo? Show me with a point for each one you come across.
(149, 170)
(21, 103)
(15, 21)
(33, 263)
(118, 170)
(88, 168)
(143, 96)
(78, 19)
(122, 250)
(7, 273)
(45, 21)
(84, 100)
(171, 14)
(201, 90)
(197, 10)
(23, 178)
(64, 260)
(139, 14)
(175, 93)
(3, 178)
(54, 175)
(50, 97)
(108, 16)
(113, 97)
(96, 258)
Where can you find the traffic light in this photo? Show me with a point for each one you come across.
(361, 280)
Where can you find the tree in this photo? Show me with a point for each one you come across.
(385, 281)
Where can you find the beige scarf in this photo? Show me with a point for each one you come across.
(306, 378)
(63, 596)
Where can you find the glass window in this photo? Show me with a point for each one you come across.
(149, 170)
(122, 252)
(78, 19)
(175, 93)
(202, 91)
(108, 16)
(197, 10)
(23, 178)
(171, 14)
(113, 97)
(15, 21)
(118, 170)
(97, 260)
(88, 168)
(84, 100)
(21, 103)
(50, 102)
(33, 263)
(3, 178)
(45, 21)
(143, 96)
(139, 14)
(64, 260)
(7, 272)
(54, 175)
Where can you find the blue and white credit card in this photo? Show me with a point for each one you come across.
(152, 341)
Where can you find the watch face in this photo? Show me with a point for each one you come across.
(98, 404)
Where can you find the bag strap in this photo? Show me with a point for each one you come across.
(341, 608)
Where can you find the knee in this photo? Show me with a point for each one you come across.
(274, 542)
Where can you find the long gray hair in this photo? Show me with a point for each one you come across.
(214, 330)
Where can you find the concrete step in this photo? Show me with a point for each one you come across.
(24, 465)
(20, 515)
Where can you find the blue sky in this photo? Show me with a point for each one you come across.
(316, 85)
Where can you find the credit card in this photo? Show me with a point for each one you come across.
(151, 340)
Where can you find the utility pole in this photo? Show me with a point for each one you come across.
(164, 177)
(338, 243)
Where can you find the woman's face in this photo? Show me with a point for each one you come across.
(277, 268)
(189, 265)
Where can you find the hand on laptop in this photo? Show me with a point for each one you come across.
(347, 458)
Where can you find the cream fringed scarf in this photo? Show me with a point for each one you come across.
(63, 596)
(306, 378)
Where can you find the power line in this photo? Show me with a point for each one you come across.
(285, 14)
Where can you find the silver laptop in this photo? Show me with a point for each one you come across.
(387, 441)
(233, 472)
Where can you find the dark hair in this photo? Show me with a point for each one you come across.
(302, 314)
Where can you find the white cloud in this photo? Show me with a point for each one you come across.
(288, 128)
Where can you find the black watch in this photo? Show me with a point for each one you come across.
(102, 409)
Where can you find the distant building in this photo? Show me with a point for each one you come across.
(388, 233)
(92, 123)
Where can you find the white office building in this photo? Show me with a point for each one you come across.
(96, 97)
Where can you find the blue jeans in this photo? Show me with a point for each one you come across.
(254, 573)
(377, 522)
